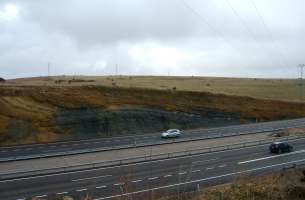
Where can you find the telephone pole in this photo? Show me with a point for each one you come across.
(116, 69)
(301, 66)
(48, 69)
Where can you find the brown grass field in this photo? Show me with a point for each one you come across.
(276, 89)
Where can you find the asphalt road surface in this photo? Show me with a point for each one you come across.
(146, 139)
(142, 180)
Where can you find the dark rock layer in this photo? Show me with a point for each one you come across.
(99, 122)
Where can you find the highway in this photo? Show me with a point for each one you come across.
(26, 151)
(161, 176)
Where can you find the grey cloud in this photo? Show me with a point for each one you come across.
(102, 22)
(91, 37)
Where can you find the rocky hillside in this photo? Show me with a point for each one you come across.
(50, 113)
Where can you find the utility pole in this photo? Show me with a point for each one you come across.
(301, 66)
(116, 69)
(49, 69)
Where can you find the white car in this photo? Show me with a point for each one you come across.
(171, 133)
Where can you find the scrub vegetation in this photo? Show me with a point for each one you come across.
(284, 185)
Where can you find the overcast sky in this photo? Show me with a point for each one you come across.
(239, 38)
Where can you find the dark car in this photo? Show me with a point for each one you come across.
(280, 147)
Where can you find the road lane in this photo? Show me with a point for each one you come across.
(69, 146)
(130, 178)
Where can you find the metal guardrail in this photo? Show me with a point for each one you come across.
(143, 144)
(145, 158)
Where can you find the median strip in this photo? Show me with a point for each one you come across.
(248, 129)
(84, 167)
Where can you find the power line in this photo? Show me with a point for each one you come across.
(241, 19)
(301, 66)
(276, 45)
(215, 30)
(243, 22)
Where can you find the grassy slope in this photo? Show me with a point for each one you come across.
(38, 104)
(277, 89)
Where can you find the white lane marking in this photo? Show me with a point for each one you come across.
(221, 166)
(21, 199)
(41, 196)
(202, 161)
(88, 178)
(168, 175)
(136, 181)
(270, 157)
(198, 170)
(153, 178)
(60, 193)
(101, 187)
(209, 168)
(80, 190)
(118, 184)
(199, 180)
(181, 173)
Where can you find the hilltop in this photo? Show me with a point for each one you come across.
(275, 89)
